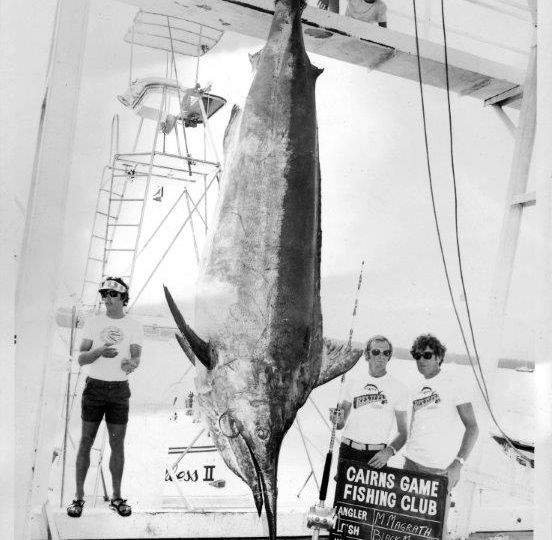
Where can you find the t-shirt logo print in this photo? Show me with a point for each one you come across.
(429, 399)
(112, 334)
(373, 397)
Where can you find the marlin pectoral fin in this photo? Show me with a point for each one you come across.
(337, 358)
(189, 340)
(183, 342)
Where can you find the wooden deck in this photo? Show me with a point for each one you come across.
(357, 42)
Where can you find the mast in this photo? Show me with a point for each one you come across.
(543, 274)
(39, 269)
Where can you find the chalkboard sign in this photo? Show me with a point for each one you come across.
(388, 503)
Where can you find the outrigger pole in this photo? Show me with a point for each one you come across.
(39, 268)
(320, 517)
(543, 274)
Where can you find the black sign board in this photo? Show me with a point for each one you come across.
(388, 503)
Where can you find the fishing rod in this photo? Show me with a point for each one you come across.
(319, 516)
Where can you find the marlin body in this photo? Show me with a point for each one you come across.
(258, 345)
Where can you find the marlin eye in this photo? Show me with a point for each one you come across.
(229, 426)
(262, 433)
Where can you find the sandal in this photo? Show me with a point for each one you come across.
(75, 508)
(121, 507)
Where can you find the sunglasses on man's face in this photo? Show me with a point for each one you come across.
(426, 355)
(377, 352)
(112, 294)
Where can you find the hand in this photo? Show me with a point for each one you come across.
(453, 473)
(107, 351)
(128, 365)
(336, 415)
(323, 4)
(381, 458)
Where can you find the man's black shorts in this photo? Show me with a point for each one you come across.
(105, 397)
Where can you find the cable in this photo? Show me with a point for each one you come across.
(481, 384)
(455, 191)
(430, 178)
(484, 389)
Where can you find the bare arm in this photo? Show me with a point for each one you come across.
(398, 442)
(471, 432)
(130, 364)
(465, 410)
(88, 355)
(383, 456)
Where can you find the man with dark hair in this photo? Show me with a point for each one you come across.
(372, 406)
(443, 427)
(112, 345)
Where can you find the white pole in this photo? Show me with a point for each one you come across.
(509, 234)
(39, 270)
(543, 274)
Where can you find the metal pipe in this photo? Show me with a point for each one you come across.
(67, 400)
(166, 251)
(187, 449)
(307, 451)
(192, 225)
(148, 183)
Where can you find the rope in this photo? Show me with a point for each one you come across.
(481, 384)
(484, 389)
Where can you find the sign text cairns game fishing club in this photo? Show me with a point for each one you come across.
(388, 504)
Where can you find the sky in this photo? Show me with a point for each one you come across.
(376, 204)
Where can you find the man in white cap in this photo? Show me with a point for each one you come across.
(112, 345)
(372, 408)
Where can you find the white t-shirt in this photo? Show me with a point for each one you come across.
(436, 429)
(120, 333)
(374, 401)
(363, 11)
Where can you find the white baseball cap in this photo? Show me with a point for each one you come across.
(109, 284)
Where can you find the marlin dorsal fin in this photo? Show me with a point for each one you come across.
(337, 358)
(192, 345)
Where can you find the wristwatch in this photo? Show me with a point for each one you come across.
(460, 460)
(392, 449)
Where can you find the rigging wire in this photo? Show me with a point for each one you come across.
(455, 191)
(481, 384)
(485, 393)
(430, 180)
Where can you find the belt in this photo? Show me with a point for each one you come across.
(362, 446)
(106, 384)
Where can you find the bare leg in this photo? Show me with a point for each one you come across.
(334, 6)
(117, 434)
(89, 430)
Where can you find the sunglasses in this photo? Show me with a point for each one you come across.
(112, 294)
(426, 355)
(377, 352)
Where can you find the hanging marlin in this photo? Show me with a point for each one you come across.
(257, 344)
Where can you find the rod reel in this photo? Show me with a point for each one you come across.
(321, 517)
